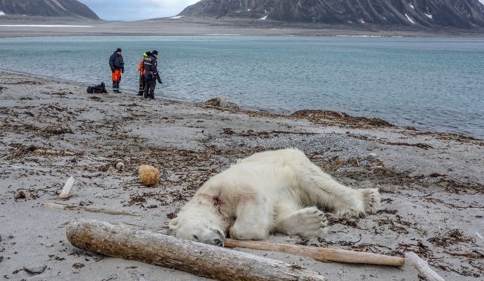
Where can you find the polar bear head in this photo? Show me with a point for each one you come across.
(197, 228)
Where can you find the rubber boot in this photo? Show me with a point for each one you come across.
(116, 87)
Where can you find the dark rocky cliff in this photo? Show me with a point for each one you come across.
(47, 8)
(418, 13)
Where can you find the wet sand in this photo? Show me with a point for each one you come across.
(432, 184)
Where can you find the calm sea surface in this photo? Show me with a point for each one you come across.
(431, 84)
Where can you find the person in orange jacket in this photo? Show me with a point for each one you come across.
(141, 70)
(116, 63)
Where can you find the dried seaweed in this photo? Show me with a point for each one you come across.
(341, 118)
(450, 238)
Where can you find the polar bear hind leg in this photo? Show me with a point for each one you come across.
(320, 189)
(341, 200)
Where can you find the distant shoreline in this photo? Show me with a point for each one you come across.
(11, 27)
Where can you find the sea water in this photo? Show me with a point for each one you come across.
(431, 84)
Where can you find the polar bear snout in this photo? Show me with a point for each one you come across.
(218, 242)
(209, 236)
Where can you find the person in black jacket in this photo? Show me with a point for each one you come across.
(116, 63)
(150, 66)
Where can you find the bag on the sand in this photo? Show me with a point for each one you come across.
(101, 88)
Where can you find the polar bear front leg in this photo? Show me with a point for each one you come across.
(253, 221)
(308, 222)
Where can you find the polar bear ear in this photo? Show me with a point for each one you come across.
(173, 225)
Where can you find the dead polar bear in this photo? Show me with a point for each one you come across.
(269, 192)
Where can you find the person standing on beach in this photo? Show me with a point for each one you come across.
(150, 66)
(141, 70)
(116, 63)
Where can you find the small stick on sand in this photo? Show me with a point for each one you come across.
(423, 267)
(66, 191)
(54, 152)
(54, 205)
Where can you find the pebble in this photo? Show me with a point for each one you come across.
(35, 270)
(20, 195)
(119, 166)
(78, 265)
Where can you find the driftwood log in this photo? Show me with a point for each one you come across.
(319, 254)
(199, 259)
(423, 267)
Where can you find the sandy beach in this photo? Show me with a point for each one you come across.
(432, 185)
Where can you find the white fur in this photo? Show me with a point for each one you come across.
(268, 192)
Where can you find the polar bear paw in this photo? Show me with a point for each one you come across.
(365, 201)
(308, 222)
(371, 200)
(350, 212)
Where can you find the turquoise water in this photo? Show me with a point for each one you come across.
(431, 84)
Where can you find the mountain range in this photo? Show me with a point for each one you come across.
(463, 14)
(46, 8)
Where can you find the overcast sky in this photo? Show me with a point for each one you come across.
(129, 10)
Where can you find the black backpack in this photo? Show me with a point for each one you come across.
(101, 88)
